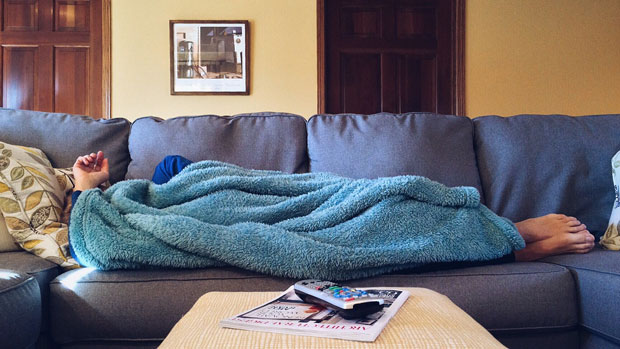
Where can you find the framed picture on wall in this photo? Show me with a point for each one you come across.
(209, 57)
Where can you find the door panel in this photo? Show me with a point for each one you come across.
(71, 79)
(361, 82)
(360, 22)
(20, 15)
(19, 82)
(417, 83)
(72, 15)
(388, 55)
(52, 56)
(414, 22)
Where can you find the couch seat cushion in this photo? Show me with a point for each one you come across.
(42, 270)
(504, 298)
(145, 304)
(138, 304)
(439, 147)
(261, 141)
(597, 275)
(532, 165)
(20, 301)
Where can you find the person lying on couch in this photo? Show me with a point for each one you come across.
(548, 235)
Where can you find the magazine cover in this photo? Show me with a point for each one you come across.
(289, 314)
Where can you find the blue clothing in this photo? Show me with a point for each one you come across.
(74, 197)
(169, 167)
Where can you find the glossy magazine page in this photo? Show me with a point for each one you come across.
(289, 314)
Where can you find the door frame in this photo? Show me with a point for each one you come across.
(106, 59)
(457, 104)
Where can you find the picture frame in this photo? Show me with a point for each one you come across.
(209, 57)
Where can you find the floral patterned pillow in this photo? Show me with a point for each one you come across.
(611, 239)
(32, 195)
(7, 243)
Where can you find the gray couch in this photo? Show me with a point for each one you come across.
(524, 166)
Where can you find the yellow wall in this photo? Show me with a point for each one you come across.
(522, 56)
(542, 56)
(283, 57)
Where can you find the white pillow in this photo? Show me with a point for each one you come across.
(611, 239)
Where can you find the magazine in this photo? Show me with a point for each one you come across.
(289, 314)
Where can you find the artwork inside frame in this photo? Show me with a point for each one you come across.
(209, 57)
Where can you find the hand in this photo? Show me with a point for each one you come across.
(90, 171)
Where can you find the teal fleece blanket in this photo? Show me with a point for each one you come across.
(314, 225)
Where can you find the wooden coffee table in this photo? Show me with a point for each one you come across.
(427, 320)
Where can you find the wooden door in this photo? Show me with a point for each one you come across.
(52, 54)
(390, 55)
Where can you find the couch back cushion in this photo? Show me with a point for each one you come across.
(263, 141)
(439, 147)
(64, 137)
(532, 165)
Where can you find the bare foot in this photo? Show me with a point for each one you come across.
(545, 227)
(579, 242)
